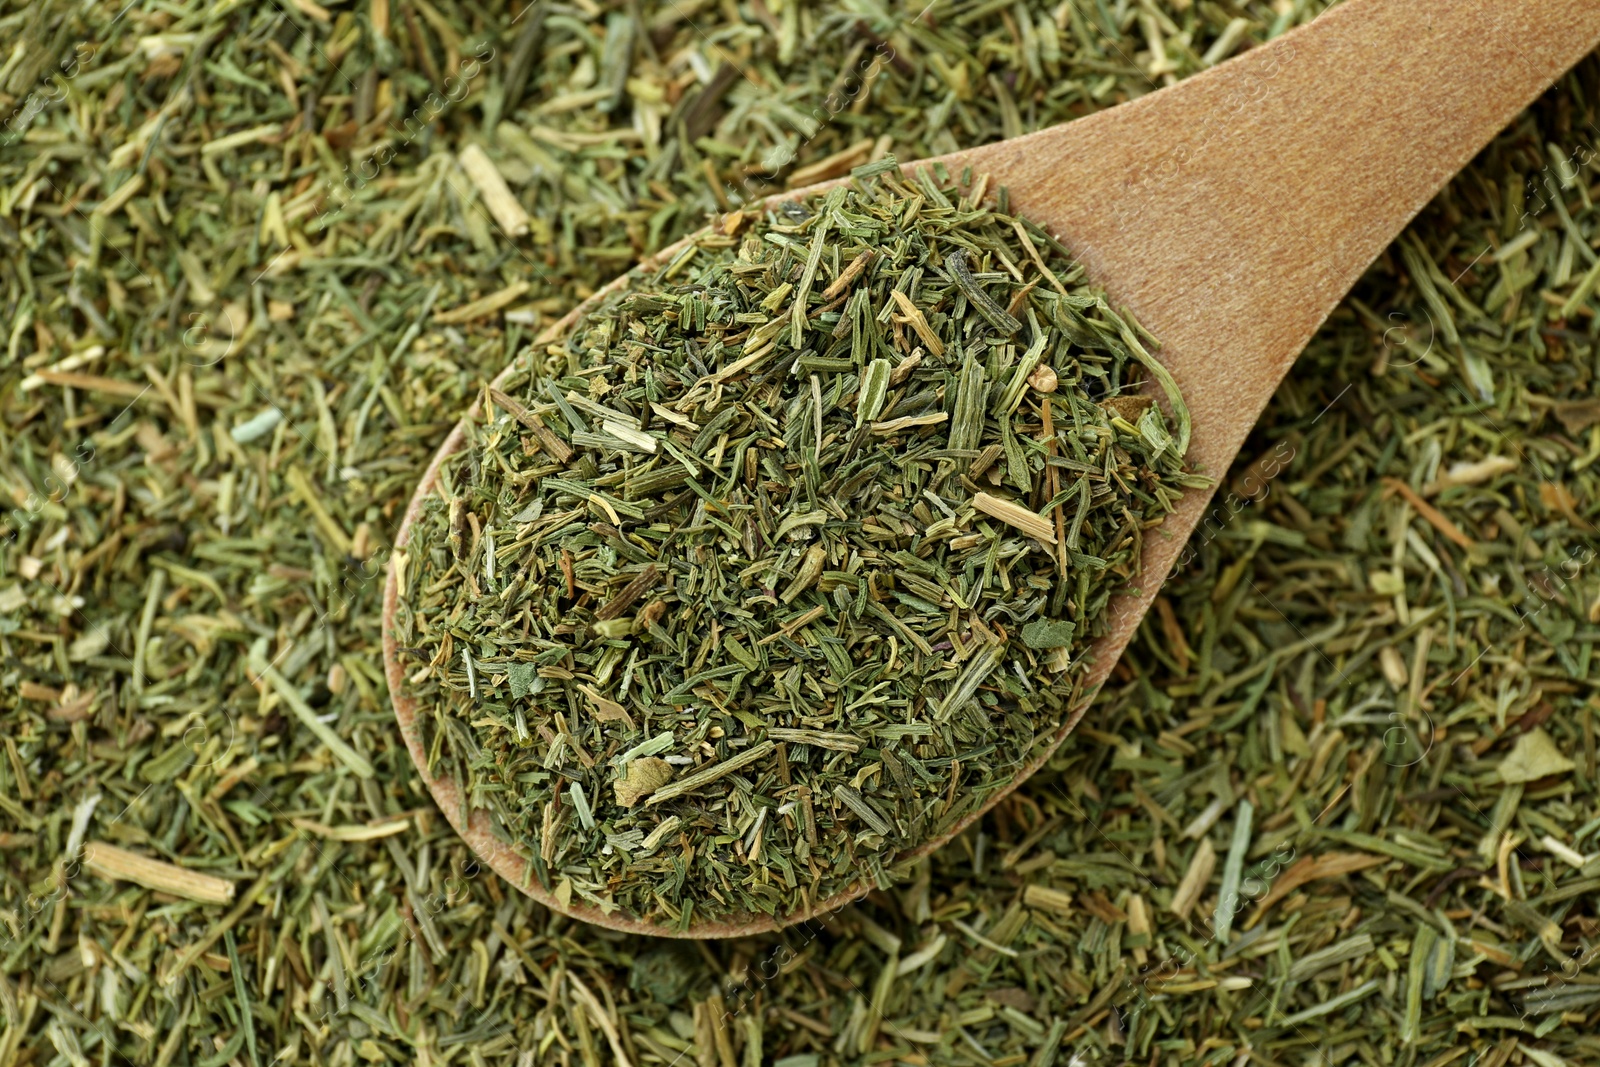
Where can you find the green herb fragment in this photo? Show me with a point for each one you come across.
(1048, 633)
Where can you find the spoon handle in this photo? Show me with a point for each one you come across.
(1234, 210)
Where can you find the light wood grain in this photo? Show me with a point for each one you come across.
(1230, 213)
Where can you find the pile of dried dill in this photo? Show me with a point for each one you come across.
(775, 566)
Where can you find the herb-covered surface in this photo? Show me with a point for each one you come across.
(1412, 721)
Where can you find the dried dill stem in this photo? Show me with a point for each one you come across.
(109, 861)
(778, 524)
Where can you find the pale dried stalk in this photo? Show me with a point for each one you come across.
(1029, 522)
(111, 862)
(497, 195)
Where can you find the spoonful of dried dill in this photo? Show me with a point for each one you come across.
(778, 565)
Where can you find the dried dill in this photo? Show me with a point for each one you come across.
(775, 546)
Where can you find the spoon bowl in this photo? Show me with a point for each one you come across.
(1230, 214)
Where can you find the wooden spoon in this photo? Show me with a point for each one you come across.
(1230, 213)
